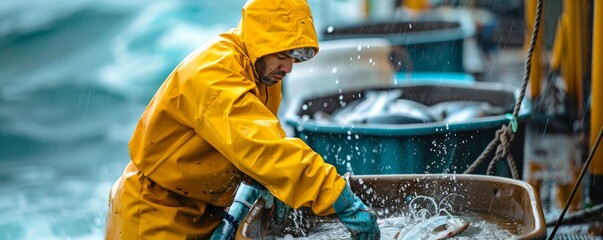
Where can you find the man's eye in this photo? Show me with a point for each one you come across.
(281, 56)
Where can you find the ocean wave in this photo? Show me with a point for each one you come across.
(22, 16)
(154, 43)
(69, 113)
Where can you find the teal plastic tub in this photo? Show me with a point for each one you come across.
(433, 147)
(424, 46)
(434, 78)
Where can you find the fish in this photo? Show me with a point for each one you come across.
(439, 227)
(403, 111)
(383, 107)
(454, 227)
(373, 103)
(462, 111)
(387, 107)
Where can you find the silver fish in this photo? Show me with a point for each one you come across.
(439, 227)
(462, 111)
(407, 111)
(373, 103)
(384, 107)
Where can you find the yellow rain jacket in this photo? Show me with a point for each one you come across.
(212, 125)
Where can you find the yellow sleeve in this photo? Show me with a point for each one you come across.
(248, 134)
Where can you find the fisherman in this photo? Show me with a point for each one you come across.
(212, 125)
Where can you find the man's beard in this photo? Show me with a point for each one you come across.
(265, 78)
(268, 81)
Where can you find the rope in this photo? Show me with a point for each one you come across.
(504, 136)
(502, 143)
(529, 57)
(484, 154)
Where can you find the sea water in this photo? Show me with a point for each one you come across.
(75, 77)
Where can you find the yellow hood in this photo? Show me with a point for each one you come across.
(268, 27)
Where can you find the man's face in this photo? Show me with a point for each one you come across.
(273, 67)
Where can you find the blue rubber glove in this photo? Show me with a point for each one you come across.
(281, 210)
(360, 220)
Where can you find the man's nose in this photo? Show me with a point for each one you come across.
(287, 66)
